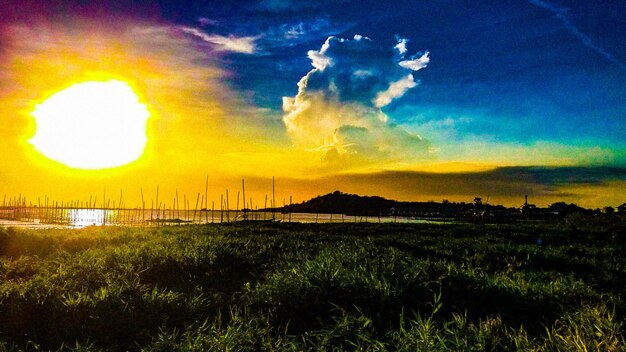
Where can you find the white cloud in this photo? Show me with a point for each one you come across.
(396, 89)
(401, 46)
(244, 45)
(416, 64)
(319, 60)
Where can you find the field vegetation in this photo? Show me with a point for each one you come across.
(319, 287)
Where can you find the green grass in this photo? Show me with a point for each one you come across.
(327, 287)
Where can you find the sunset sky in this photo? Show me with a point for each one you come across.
(410, 100)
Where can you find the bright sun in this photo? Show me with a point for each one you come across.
(92, 125)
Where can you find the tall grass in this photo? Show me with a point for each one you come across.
(293, 287)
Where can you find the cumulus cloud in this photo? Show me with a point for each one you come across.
(337, 110)
(244, 45)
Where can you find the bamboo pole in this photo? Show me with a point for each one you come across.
(243, 188)
(206, 196)
(194, 209)
(143, 208)
(227, 207)
(237, 209)
(157, 202)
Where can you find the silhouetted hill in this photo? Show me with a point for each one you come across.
(344, 203)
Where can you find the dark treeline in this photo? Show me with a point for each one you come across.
(352, 204)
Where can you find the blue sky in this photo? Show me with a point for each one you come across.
(328, 88)
(509, 71)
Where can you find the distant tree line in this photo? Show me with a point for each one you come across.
(352, 204)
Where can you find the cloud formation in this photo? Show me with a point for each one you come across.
(337, 111)
(244, 45)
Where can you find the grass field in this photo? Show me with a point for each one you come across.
(253, 287)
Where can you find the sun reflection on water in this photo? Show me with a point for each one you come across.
(86, 217)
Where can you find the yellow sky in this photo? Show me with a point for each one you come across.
(196, 128)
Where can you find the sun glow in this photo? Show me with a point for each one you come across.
(92, 125)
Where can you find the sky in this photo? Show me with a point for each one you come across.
(410, 100)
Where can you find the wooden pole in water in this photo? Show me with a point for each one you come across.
(212, 211)
(143, 207)
(201, 207)
(221, 208)
(157, 202)
(243, 188)
(106, 211)
(194, 209)
(273, 200)
(265, 207)
(172, 215)
(237, 209)
(289, 208)
(227, 207)
(206, 196)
